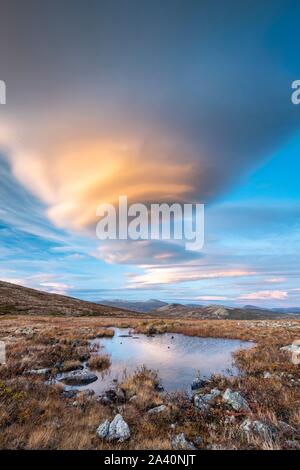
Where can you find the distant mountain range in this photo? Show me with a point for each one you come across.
(163, 309)
(135, 306)
(18, 300)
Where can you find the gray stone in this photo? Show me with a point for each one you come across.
(198, 383)
(235, 400)
(293, 348)
(257, 427)
(118, 429)
(200, 403)
(133, 399)
(103, 429)
(267, 375)
(180, 442)
(42, 372)
(198, 441)
(105, 400)
(204, 402)
(157, 409)
(69, 393)
(78, 377)
(287, 429)
(292, 444)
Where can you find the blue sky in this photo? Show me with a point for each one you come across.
(168, 102)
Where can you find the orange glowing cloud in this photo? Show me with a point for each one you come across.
(72, 178)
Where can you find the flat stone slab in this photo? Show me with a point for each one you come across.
(78, 377)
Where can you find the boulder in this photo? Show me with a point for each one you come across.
(257, 427)
(204, 402)
(179, 442)
(198, 441)
(41, 372)
(111, 394)
(69, 393)
(293, 348)
(78, 377)
(198, 383)
(235, 400)
(103, 429)
(116, 430)
(267, 375)
(105, 400)
(157, 410)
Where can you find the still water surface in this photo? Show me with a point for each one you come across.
(177, 358)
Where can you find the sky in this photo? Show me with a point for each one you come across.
(174, 101)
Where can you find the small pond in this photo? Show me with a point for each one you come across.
(177, 358)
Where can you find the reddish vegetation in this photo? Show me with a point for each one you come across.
(34, 415)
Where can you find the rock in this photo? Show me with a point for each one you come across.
(204, 402)
(235, 400)
(118, 429)
(257, 427)
(133, 399)
(216, 447)
(105, 400)
(180, 442)
(200, 403)
(78, 377)
(198, 441)
(69, 393)
(287, 429)
(42, 372)
(111, 394)
(267, 375)
(25, 331)
(293, 444)
(293, 348)
(103, 429)
(198, 383)
(157, 410)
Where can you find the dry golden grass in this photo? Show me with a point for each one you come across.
(34, 415)
(99, 362)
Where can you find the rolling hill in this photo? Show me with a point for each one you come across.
(216, 312)
(18, 300)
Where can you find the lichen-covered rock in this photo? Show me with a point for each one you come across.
(41, 372)
(118, 429)
(257, 427)
(267, 375)
(198, 383)
(235, 400)
(157, 409)
(78, 377)
(204, 402)
(103, 429)
(180, 442)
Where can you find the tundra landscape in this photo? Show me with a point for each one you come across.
(149, 231)
(256, 409)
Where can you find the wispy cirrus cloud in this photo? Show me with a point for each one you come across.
(265, 295)
(176, 274)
